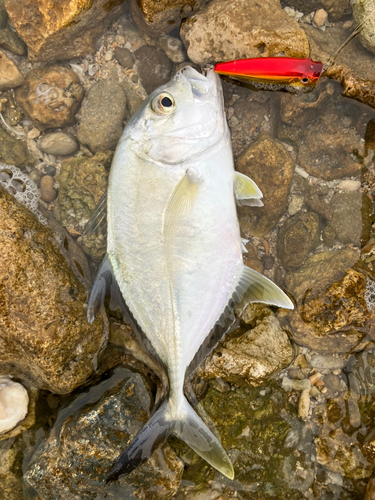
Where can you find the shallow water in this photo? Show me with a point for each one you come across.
(293, 429)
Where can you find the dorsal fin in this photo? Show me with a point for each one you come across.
(246, 191)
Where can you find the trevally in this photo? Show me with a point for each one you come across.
(174, 248)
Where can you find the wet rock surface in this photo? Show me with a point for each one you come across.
(102, 115)
(261, 157)
(10, 75)
(297, 237)
(82, 183)
(70, 32)
(251, 357)
(332, 313)
(50, 96)
(87, 438)
(154, 67)
(42, 319)
(224, 31)
(13, 151)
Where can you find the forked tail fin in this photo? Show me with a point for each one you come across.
(186, 425)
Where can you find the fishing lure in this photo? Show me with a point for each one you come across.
(280, 73)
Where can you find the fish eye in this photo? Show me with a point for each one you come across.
(305, 79)
(163, 104)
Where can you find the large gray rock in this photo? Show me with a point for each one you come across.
(242, 28)
(153, 67)
(90, 434)
(102, 115)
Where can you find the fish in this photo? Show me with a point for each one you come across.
(174, 260)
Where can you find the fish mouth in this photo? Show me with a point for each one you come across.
(203, 87)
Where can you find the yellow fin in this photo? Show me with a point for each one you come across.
(246, 191)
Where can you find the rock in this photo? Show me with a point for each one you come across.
(320, 18)
(304, 404)
(163, 16)
(10, 75)
(153, 67)
(82, 183)
(332, 382)
(14, 151)
(252, 426)
(361, 370)
(349, 185)
(50, 96)
(11, 469)
(239, 29)
(9, 40)
(322, 362)
(173, 47)
(88, 437)
(370, 490)
(9, 108)
(124, 57)
(70, 32)
(133, 99)
(58, 143)
(47, 191)
(351, 220)
(252, 357)
(103, 112)
(332, 313)
(353, 67)
(298, 236)
(364, 11)
(267, 162)
(297, 385)
(336, 9)
(44, 334)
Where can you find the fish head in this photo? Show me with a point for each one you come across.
(180, 120)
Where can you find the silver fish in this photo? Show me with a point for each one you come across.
(174, 248)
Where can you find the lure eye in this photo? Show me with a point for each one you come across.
(163, 104)
(305, 79)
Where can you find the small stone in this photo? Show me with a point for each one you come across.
(10, 76)
(103, 112)
(108, 56)
(13, 151)
(50, 96)
(295, 204)
(47, 191)
(10, 40)
(349, 185)
(173, 47)
(320, 18)
(295, 373)
(220, 385)
(304, 404)
(347, 24)
(298, 385)
(314, 392)
(321, 361)
(332, 382)
(315, 377)
(36, 176)
(153, 67)
(124, 57)
(58, 143)
(33, 133)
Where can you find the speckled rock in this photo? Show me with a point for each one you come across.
(268, 163)
(88, 437)
(251, 357)
(14, 151)
(351, 219)
(298, 236)
(153, 67)
(333, 313)
(10, 75)
(9, 40)
(50, 96)
(58, 143)
(103, 112)
(44, 334)
(364, 11)
(335, 8)
(124, 57)
(354, 67)
(241, 28)
(69, 30)
(162, 16)
(11, 469)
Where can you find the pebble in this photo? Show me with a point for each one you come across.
(321, 361)
(173, 47)
(10, 75)
(295, 373)
(36, 176)
(300, 171)
(33, 133)
(108, 56)
(154, 67)
(320, 18)
(295, 204)
(347, 24)
(349, 185)
(58, 143)
(304, 404)
(219, 385)
(298, 385)
(124, 57)
(47, 191)
(314, 392)
(315, 377)
(332, 382)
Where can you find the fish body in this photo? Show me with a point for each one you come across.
(174, 246)
(274, 73)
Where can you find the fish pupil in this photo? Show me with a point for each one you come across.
(166, 102)
(305, 80)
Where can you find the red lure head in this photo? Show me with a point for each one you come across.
(274, 73)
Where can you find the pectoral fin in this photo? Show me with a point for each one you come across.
(246, 191)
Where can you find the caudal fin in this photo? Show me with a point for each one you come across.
(186, 425)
